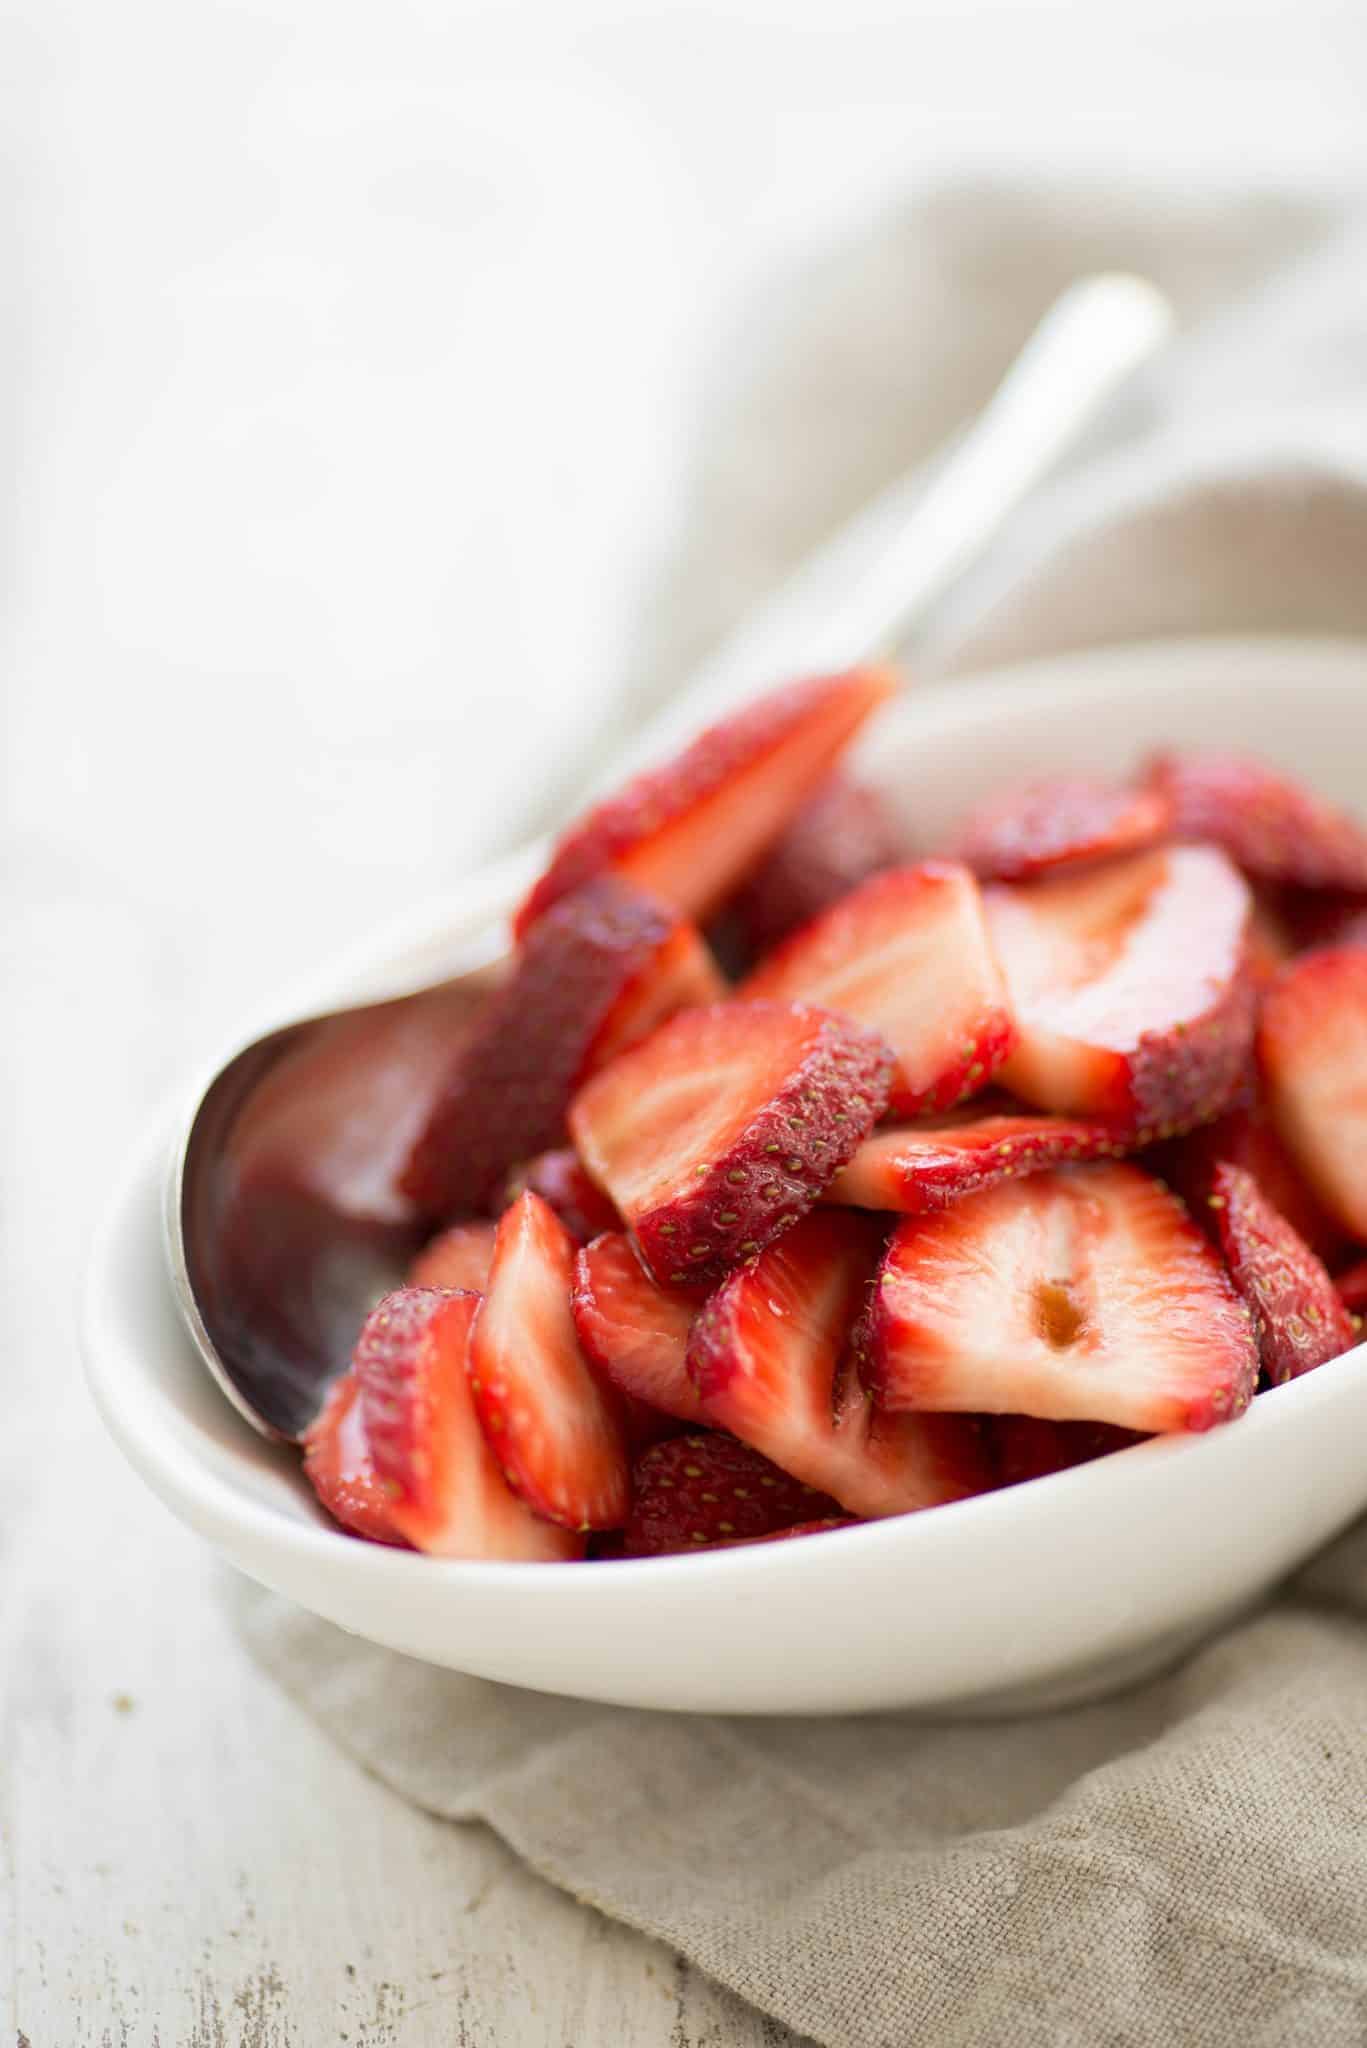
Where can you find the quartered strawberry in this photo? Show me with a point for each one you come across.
(1269, 825)
(1312, 1048)
(457, 1257)
(554, 1430)
(635, 1331)
(1298, 1319)
(769, 1357)
(690, 831)
(928, 1165)
(339, 1466)
(1024, 1447)
(601, 969)
(1082, 1294)
(840, 837)
(907, 954)
(1065, 822)
(560, 1180)
(1352, 1287)
(1130, 986)
(723, 1128)
(445, 1492)
(698, 1491)
(1244, 1137)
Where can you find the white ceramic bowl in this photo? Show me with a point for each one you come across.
(1049, 1592)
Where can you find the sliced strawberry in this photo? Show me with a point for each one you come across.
(820, 1528)
(1270, 943)
(1085, 1294)
(1130, 986)
(1352, 1288)
(723, 1128)
(458, 1257)
(1270, 826)
(560, 1180)
(634, 1330)
(1317, 919)
(840, 837)
(1066, 822)
(688, 832)
(769, 1357)
(446, 1493)
(929, 1165)
(339, 1467)
(1298, 1319)
(1312, 1047)
(1024, 1447)
(1244, 1137)
(697, 1491)
(553, 1428)
(908, 955)
(605, 966)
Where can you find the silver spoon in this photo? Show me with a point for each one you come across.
(284, 1223)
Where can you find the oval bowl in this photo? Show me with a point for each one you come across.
(1042, 1595)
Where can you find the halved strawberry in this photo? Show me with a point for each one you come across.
(1352, 1288)
(929, 1165)
(1086, 1293)
(1312, 1048)
(554, 1430)
(457, 1257)
(908, 955)
(634, 1330)
(840, 837)
(1065, 822)
(723, 1128)
(689, 831)
(445, 1492)
(559, 1178)
(339, 1467)
(1244, 1136)
(697, 1491)
(601, 969)
(1024, 1447)
(769, 1357)
(1130, 986)
(1298, 1319)
(1270, 826)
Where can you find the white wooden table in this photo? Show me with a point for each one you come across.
(337, 370)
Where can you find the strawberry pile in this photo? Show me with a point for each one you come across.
(978, 1164)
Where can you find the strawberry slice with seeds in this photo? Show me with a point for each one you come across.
(559, 1178)
(1270, 826)
(555, 1431)
(1312, 1048)
(1298, 1318)
(635, 1331)
(600, 970)
(1024, 1447)
(696, 1492)
(1352, 1288)
(769, 1357)
(1317, 919)
(840, 837)
(1082, 1294)
(929, 1165)
(819, 1528)
(444, 1489)
(723, 1128)
(688, 832)
(458, 1257)
(1064, 822)
(341, 1470)
(908, 955)
(1131, 988)
(1245, 1137)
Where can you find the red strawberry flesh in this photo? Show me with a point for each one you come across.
(1270, 826)
(1352, 1287)
(1066, 822)
(446, 1494)
(695, 1492)
(769, 1355)
(724, 1126)
(553, 1428)
(1245, 1136)
(603, 966)
(690, 831)
(341, 1469)
(634, 1330)
(560, 1180)
(457, 1257)
(1298, 1318)
(1024, 1447)
(1131, 988)
(840, 837)
(916, 1167)
(1082, 1294)
(1312, 1049)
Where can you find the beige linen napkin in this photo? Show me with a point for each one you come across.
(1186, 1864)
